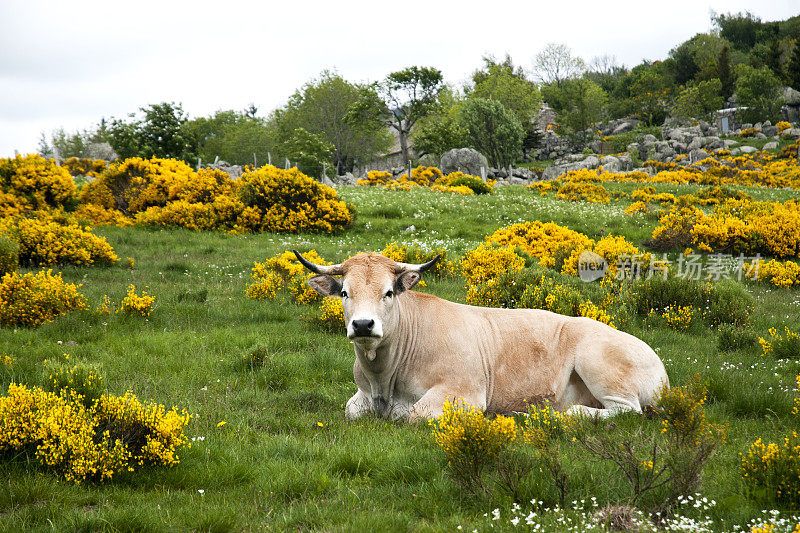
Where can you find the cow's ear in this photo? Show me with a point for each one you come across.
(406, 281)
(325, 285)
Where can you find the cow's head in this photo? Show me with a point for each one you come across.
(369, 287)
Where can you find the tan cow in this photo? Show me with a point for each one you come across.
(414, 350)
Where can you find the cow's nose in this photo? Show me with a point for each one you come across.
(363, 328)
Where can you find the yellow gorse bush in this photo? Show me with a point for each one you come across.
(33, 299)
(33, 183)
(284, 270)
(779, 273)
(465, 434)
(82, 166)
(114, 435)
(136, 304)
(329, 315)
(49, 242)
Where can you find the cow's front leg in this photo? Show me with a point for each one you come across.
(358, 405)
(431, 404)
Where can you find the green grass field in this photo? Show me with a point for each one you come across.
(285, 458)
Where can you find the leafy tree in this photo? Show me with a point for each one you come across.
(321, 108)
(160, 133)
(699, 100)
(400, 101)
(509, 86)
(757, 89)
(793, 67)
(741, 29)
(650, 91)
(555, 63)
(685, 66)
(492, 129)
(440, 131)
(773, 58)
(236, 137)
(64, 144)
(724, 73)
(309, 151)
(577, 102)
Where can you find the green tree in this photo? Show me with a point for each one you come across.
(236, 137)
(578, 103)
(321, 108)
(440, 130)
(509, 86)
(492, 129)
(650, 91)
(725, 73)
(757, 90)
(160, 133)
(555, 63)
(793, 67)
(739, 29)
(699, 100)
(400, 100)
(309, 151)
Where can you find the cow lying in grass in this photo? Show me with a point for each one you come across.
(414, 350)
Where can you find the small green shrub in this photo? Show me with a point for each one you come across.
(9, 256)
(730, 303)
(477, 185)
(81, 382)
(731, 337)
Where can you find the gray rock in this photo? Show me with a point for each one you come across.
(770, 146)
(769, 131)
(611, 164)
(234, 171)
(791, 96)
(516, 181)
(646, 170)
(464, 159)
(696, 144)
(748, 149)
(679, 147)
(592, 161)
(730, 142)
(648, 138)
(710, 139)
(791, 133)
(410, 229)
(759, 135)
(624, 127)
(736, 151)
(327, 181)
(697, 155)
(347, 179)
(633, 148)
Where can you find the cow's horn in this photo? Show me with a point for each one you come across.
(402, 267)
(332, 270)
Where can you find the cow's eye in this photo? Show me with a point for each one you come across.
(389, 294)
(344, 294)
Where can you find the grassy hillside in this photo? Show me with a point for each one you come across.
(271, 449)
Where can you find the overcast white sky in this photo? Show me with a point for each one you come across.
(69, 63)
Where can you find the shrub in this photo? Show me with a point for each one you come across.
(418, 255)
(485, 264)
(287, 201)
(35, 183)
(731, 337)
(550, 243)
(33, 299)
(783, 125)
(114, 435)
(9, 255)
(771, 471)
(729, 303)
(329, 316)
(135, 304)
(49, 242)
(583, 192)
(284, 270)
(101, 216)
(134, 184)
(82, 383)
(665, 466)
(781, 345)
(472, 443)
(82, 166)
(478, 186)
(781, 274)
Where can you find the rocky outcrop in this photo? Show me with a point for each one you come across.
(466, 160)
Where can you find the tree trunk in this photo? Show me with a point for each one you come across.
(404, 144)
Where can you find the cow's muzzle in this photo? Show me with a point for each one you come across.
(363, 328)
